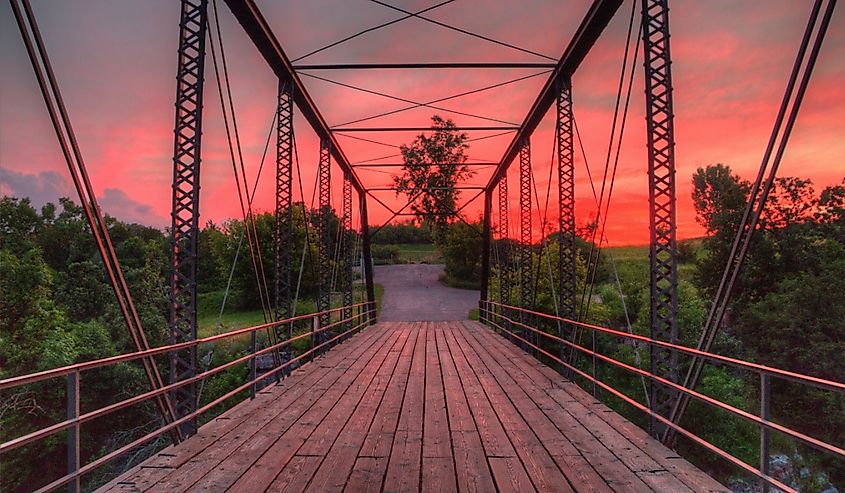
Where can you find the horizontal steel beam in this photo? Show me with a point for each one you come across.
(420, 129)
(596, 20)
(401, 165)
(393, 189)
(448, 65)
(256, 27)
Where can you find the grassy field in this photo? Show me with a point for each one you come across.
(418, 253)
(210, 322)
(638, 254)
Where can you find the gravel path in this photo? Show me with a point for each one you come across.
(413, 293)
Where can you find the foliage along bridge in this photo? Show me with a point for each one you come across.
(436, 406)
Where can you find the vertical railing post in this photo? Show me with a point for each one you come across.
(73, 431)
(253, 370)
(765, 395)
(315, 326)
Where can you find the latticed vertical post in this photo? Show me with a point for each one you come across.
(325, 236)
(526, 264)
(504, 250)
(185, 207)
(347, 248)
(567, 251)
(485, 254)
(283, 236)
(661, 174)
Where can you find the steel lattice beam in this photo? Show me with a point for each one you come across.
(526, 264)
(597, 18)
(185, 208)
(324, 234)
(661, 174)
(347, 250)
(256, 27)
(567, 251)
(504, 251)
(284, 213)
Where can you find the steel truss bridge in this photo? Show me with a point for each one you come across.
(436, 406)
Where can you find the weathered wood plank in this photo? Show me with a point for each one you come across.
(652, 462)
(403, 466)
(580, 465)
(472, 445)
(338, 463)
(541, 468)
(244, 457)
(197, 455)
(420, 406)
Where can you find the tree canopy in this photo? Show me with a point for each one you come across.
(434, 164)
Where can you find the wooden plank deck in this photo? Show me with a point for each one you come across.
(420, 406)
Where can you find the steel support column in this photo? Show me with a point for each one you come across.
(567, 250)
(526, 264)
(485, 248)
(284, 213)
(661, 174)
(324, 297)
(185, 210)
(346, 246)
(366, 254)
(504, 251)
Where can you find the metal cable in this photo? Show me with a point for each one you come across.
(368, 30)
(464, 31)
(447, 98)
(416, 104)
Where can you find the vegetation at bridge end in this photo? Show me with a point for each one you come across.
(433, 166)
(787, 311)
(57, 308)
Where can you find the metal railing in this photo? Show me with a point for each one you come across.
(502, 318)
(363, 315)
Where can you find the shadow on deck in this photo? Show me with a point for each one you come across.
(420, 406)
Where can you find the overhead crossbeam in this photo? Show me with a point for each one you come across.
(663, 266)
(594, 23)
(185, 213)
(419, 66)
(256, 27)
(423, 129)
(284, 212)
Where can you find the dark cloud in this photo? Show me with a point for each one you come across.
(46, 186)
(116, 203)
(49, 186)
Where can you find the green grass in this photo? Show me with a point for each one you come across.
(418, 253)
(473, 313)
(629, 253)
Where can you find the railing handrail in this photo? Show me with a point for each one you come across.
(29, 378)
(762, 421)
(757, 367)
(366, 313)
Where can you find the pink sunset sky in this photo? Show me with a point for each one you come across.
(116, 63)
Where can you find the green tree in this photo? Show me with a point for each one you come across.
(434, 164)
(461, 249)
